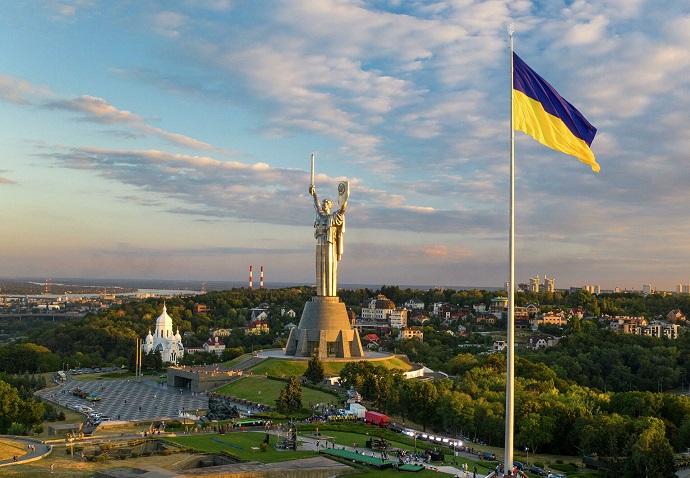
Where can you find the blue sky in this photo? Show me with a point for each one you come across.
(172, 139)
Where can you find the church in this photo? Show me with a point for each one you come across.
(163, 340)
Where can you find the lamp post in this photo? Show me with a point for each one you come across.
(527, 450)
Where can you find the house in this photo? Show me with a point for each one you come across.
(555, 317)
(411, 333)
(257, 328)
(486, 318)
(371, 338)
(479, 307)
(414, 304)
(290, 313)
(532, 309)
(257, 314)
(200, 309)
(540, 341)
(675, 316)
(215, 345)
(221, 332)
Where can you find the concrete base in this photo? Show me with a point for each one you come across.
(325, 331)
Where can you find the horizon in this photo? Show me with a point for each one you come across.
(189, 284)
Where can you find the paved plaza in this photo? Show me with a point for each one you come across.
(128, 399)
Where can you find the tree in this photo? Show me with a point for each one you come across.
(652, 455)
(290, 400)
(535, 430)
(314, 371)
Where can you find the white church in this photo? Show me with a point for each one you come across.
(163, 339)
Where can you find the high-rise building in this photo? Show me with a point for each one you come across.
(534, 284)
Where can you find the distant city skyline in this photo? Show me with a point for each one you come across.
(172, 140)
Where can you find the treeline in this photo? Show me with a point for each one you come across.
(635, 429)
(594, 356)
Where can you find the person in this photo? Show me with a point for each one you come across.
(52, 467)
(328, 231)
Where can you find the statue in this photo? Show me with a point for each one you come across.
(325, 329)
(328, 231)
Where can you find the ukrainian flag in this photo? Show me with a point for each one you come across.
(542, 113)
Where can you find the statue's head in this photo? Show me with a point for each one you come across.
(327, 205)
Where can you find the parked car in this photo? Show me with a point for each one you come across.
(519, 465)
(487, 455)
(536, 470)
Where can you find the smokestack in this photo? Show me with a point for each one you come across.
(251, 281)
(261, 286)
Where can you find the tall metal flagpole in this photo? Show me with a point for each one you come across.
(510, 359)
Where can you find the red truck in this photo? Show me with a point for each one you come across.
(376, 418)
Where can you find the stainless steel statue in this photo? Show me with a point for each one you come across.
(325, 329)
(328, 231)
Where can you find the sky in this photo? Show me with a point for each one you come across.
(172, 140)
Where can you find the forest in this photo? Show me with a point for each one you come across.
(594, 383)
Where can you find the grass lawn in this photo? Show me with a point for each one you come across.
(69, 467)
(241, 444)
(266, 391)
(285, 368)
(280, 367)
(9, 448)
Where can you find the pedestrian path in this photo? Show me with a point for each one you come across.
(35, 450)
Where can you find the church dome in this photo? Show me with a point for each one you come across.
(164, 324)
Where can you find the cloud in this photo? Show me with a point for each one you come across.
(169, 23)
(206, 187)
(100, 111)
(19, 91)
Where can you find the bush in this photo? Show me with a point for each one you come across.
(15, 429)
(263, 447)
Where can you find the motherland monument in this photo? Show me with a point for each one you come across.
(324, 329)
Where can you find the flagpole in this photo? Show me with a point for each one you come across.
(510, 359)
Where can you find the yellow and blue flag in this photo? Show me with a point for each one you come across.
(542, 113)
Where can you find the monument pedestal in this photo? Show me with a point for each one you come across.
(325, 331)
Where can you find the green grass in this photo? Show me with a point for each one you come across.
(266, 391)
(241, 444)
(285, 368)
(280, 367)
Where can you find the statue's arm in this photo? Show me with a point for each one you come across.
(312, 191)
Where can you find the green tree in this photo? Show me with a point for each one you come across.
(651, 454)
(535, 430)
(314, 372)
(290, 400)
